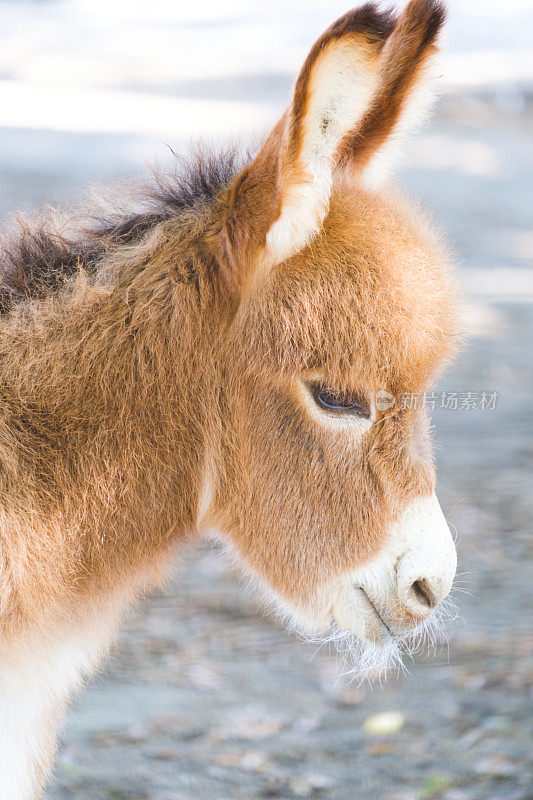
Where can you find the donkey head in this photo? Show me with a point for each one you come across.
(324, 480)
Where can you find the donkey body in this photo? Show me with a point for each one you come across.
(211, 361)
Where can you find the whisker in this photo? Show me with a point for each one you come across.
(364, 662)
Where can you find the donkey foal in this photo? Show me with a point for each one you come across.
(212, 362)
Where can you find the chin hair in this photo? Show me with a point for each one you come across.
(363, 661)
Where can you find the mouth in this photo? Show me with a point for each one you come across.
(367, 646)
(375, 609)
(354, 612)
(357, 612)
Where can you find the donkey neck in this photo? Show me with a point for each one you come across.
(108, 407)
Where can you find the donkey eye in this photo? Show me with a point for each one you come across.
(338, 401)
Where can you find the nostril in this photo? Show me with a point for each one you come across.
(421, 591)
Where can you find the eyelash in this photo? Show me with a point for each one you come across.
(337, 401)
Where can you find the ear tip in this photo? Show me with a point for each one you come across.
(427, 14)
(367, 19)
(437, 14)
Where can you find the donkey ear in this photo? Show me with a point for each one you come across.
(331, 94)
(404, 93)
(347, 100)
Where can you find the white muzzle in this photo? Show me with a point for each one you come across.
(398, 590)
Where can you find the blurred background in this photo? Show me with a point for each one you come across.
(206, 699)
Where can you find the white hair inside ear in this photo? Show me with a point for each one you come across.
(416, 113)
(340, 86)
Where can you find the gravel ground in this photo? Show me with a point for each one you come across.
(206, 699)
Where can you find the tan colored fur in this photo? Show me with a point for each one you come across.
(164, 390)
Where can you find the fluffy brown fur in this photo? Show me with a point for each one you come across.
(39, 254)
(150, 389)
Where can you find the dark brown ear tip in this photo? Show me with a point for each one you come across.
(429, 14)
(367, 19)
(437, 16)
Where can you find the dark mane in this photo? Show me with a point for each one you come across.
(38, 255)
